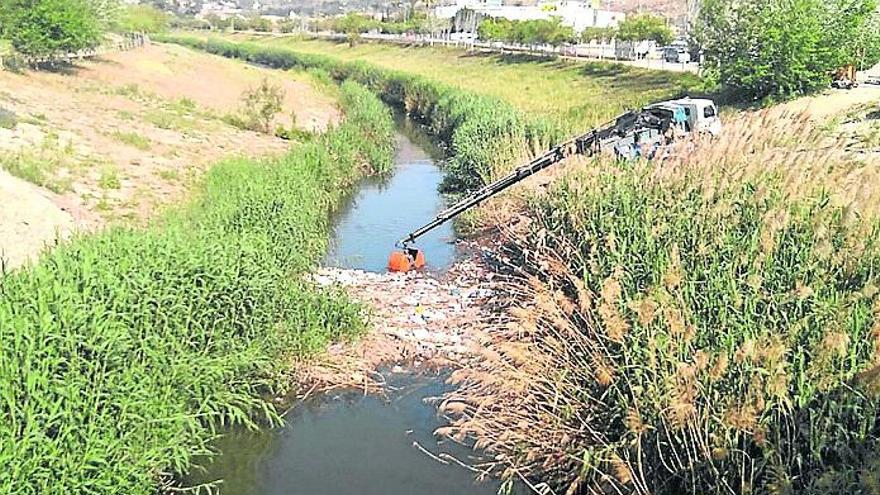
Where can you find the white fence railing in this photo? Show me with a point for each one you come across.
(120, 43)
(593, 51)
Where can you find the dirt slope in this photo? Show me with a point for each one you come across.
(117, 138)
(30, 219)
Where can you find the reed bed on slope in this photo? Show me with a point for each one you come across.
(705, 324)
(485, 136)
(124, 352)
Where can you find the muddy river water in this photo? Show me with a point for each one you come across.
(350, 443)
(384, 209)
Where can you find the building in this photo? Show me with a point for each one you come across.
(577, 14)
(220, 8)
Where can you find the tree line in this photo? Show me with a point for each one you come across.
(553, 32)
(776, 49)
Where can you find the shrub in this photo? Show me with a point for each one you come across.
(51, 27)
(124, 351)
(260, 105)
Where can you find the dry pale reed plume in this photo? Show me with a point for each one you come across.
(706, 323)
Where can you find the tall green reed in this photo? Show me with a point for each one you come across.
(123, 352)
(705, 324)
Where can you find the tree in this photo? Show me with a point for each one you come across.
(780, 48)
(553, 32)
(598, 34)
(642, 27)
(495, 29)
(866, 45)
(287, 26)
(52, 27)
(532, 32)
(217, 22)
(353, 24)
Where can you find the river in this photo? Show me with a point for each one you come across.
(350, 443)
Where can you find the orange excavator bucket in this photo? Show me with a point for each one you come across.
(406, 260)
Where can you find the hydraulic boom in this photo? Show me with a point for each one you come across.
(632, 134)
(410, 257)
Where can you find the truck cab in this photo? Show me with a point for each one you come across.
(702, 115)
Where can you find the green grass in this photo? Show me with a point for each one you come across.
(47, 165)
(125, 114)
(131, 91)
(109, 178)
(133, 139)
(124, 351)
(574, 95)
(170, 175)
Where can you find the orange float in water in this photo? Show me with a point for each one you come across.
(406, 260)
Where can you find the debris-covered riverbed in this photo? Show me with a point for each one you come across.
(419, 320)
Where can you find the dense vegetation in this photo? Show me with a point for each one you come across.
(552, 32)
(783, 48)
(532, 32)
(644, 27)
(709, 324)
(51, 27)
(484, 135)
(123, 351)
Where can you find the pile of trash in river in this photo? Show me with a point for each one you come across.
(418, 320)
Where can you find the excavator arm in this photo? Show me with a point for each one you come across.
(409, 257)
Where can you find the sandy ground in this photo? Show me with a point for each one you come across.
(834, 101)
(172, 71)
(116, 139)
(30, 219)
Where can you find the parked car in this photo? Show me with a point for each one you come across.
(676, 55)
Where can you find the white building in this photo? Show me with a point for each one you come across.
(221, 8)
(577, 14)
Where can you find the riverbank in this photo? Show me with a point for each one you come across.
(706, 323)
(124, 350)
(118, 139)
